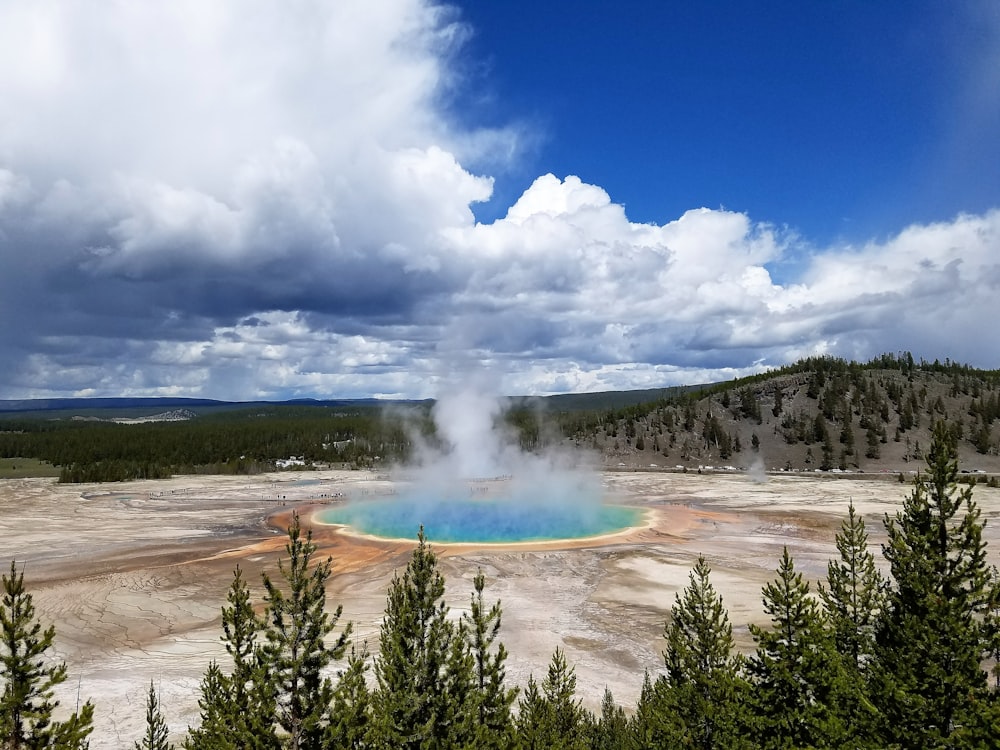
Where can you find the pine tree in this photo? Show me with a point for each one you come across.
(648, 728)
(458, 713)
(26, 704)
(701, 696)
(553, 718)
(927, 678)
(251, 710)
(238, 710)
(241, 628)
(492, 699)
(415, 641)
(215, 730)
(534, 722)
(568, 715)
(872, 442)
(854, 595)
(350, 726)
(156, 727)
(991, 623)
(854, 598)
(798, 679)
(295, 650)
(611, 730)
(847, 432)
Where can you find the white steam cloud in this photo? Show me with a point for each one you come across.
(474, 483)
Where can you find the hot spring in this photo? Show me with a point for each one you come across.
(474, 484)
(488, 513)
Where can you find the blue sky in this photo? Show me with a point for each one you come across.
(840, 120)
(254, 199)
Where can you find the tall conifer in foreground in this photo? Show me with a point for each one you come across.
(854, 595)
(350, 722)
(854, 599)
(156, 727)
(27, 680)
(644, 725)
(553, 717)
(570, 718)
(252, 689)
(533, 723)
(492, 699)
(237, 710)
(798, 680)
(699, 704)
(410, 705)
(215, 731)
(928, 679)
(611, 732)
(295, 650)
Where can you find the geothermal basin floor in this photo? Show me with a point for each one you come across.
(134, 575)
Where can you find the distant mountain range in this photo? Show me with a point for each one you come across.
(60, 404)
(157, 405)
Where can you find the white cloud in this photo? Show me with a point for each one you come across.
(257, 199)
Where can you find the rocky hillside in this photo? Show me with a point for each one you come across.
(822, 414)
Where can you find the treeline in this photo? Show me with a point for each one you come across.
(244, 442)
(820, 413)
(867, 662)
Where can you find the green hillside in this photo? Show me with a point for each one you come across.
(820, 414)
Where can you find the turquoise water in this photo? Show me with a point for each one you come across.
(482, 520)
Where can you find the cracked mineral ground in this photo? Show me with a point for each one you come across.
(133, 576)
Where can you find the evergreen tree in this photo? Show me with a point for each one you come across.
(653, 725)
(872, 442)
(350, 727)
(927, 678)
(156, 727)
(798, 680)
(553, 718)
(241, 628)
(982, 439)
(492, 699)
(826, 461)
(568, 716)
(847, 433)
(640, 724)
(854, 598)
(26, 703)
(854, 595)
(778, 398)
(991, 623)
(295, 651)
(215, 730)
(415, 641)
(701, 696)
(611, 730)
(458, 717)
(534, 722)
(251, 709)
(237, 711)
(821, 433)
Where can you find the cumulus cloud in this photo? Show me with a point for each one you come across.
(262, 199)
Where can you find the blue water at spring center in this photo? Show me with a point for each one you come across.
(484, 520)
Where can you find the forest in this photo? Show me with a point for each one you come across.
(236, 442)
(906, 659)
(821, 413)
